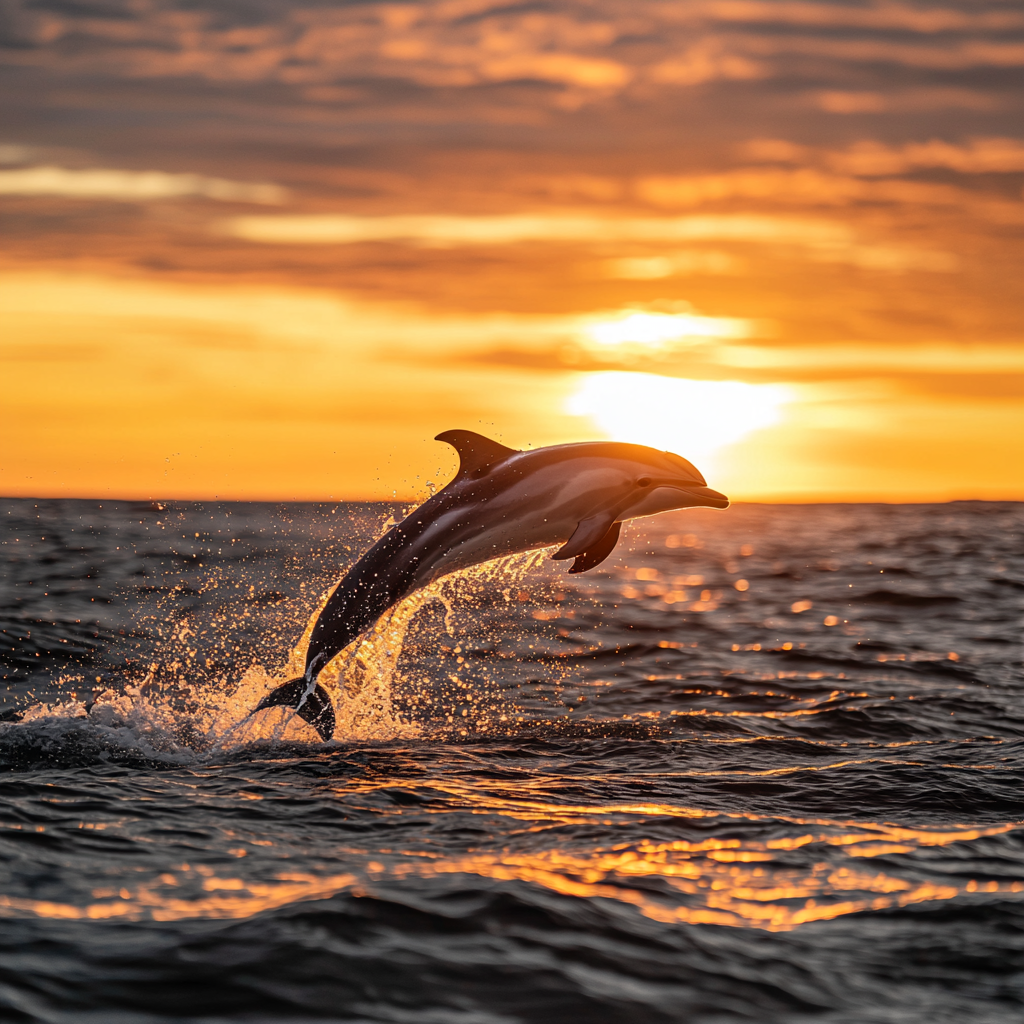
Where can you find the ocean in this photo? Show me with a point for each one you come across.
(762, 765)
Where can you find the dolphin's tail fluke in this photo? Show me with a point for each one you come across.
(316, 709)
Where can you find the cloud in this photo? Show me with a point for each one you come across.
(653, 268)
(979, 156)
(838, 101)
(654, 330)
(455, 230)
(933, 55)
(12, 153)
(842, 360)
(440, 45)
(823, 241)
(921, 20)
(707, 61)
(806, 186)
(798, 186)
(133, 186)
(588, 50)
(867, 158)
(891, 258)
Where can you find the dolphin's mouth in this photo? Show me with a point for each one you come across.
(705, 497)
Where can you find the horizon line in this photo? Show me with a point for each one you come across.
(804, 499)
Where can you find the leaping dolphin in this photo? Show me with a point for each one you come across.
(501, 502)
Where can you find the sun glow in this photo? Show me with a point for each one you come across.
(281, 393)
(657, 329)
(695, 418)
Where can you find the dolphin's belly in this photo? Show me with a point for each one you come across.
(504, 540)
(538, 511)
(472, 544)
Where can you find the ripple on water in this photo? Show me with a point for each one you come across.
(613, 798)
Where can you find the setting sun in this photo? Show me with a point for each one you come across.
(695, 418)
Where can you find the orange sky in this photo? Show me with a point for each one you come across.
(273, 259)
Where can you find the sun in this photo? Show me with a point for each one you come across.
(694, 418)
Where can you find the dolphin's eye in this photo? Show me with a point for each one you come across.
(644, 481)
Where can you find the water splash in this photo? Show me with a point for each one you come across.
(363, 678)
(174, 714)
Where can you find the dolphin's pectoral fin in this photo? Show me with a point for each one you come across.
(317, 708)
(588, 534)
(597, 553)
(476, 452)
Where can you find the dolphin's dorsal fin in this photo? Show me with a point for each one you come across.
(476, 452)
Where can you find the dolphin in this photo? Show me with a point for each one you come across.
(501, 501)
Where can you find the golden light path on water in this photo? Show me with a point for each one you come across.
(796, 871)
(728, 882)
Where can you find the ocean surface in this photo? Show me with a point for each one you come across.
(762, 765)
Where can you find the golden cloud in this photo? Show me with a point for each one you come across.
(133, 186)
(459, 230)
(445, 44)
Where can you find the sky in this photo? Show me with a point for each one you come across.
(268, 250)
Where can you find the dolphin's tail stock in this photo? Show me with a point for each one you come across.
(316, 709)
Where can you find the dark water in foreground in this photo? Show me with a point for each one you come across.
(647, 794)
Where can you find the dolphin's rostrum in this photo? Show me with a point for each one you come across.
(502, 501)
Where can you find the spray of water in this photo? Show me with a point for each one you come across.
(170, 716)
(363, 678)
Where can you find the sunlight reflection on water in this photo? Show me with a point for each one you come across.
(731, 882)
